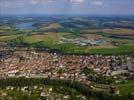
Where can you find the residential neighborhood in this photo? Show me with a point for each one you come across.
(44, 64)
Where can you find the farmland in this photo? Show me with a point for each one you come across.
(82, 35)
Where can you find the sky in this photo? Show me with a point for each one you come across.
(88, 7)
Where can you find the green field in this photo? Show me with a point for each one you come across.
(117, 50)
(49, 41)
(127, 87)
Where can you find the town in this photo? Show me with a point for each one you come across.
(58, 66)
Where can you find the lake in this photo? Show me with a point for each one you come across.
(25, 25)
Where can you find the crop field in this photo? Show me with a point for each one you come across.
(73, 35)
(50, 26)
(116, 31)
(8, 37)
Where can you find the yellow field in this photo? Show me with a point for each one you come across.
(4, 28)
(92, 36)
(51, 26)
(117, 31)
(7, 38)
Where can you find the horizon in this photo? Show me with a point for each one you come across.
(63, 15)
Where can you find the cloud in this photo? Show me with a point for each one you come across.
(76, 1)
(97, 3)
(52, 1)
(14, 4)
(41, 1)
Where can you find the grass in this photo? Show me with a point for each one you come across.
(52, 43)
(126, 88)
(116, 50)
(45, 37)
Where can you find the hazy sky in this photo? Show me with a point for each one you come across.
(90, 7)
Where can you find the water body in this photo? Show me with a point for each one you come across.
(25, 26)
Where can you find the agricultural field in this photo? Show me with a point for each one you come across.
(116, 31)
(71, 34)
